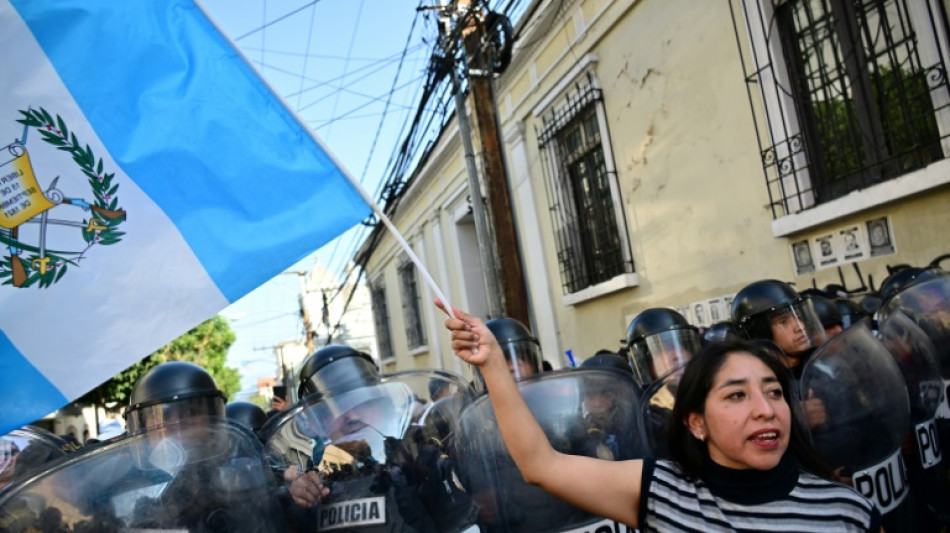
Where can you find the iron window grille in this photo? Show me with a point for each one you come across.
(412, 305)
(381, 321)
(582, 191)
(853, 93)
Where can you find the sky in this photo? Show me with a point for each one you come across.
(340, 64)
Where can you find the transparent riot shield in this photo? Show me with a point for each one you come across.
(864, 416)
(928, 305)
(26, 451)
(200, 477)
(916, 358)
(385, 451)
(590, 412)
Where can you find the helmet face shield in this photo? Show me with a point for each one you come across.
(340, 374)
(24, 451)
(601, 397)
(660, 354)
(174, 411)
(356, 423)
(795, 328)
(524, 358)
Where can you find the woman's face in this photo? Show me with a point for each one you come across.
(747, 420)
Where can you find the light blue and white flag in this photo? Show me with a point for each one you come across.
(148, 178)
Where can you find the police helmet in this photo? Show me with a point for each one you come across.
(812, 292)
(173, 391)
(660, 340)
(248, 414)
(870, 304)
(827, 312)
(517, 343)
(898, 280)
(850, 311)
(835, 290)
(758, 304)
(336, 368)
(722, 331)
(906, 277)
(609, 360)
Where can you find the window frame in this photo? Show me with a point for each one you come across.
(381, 321)
(411, 304)
(781, 132)
(578, 97)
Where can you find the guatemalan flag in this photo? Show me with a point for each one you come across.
(148, 178)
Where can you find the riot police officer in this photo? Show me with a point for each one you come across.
(660, 341)
(772, 310)
(521, 348)
(183, 466)
(355, 457)
(603, 434)
(828, 314)
(180, 411)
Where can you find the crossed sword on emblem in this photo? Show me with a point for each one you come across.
(55, 196)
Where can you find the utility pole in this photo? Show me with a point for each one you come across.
(507, 250)
(304, 314)
(482, 235)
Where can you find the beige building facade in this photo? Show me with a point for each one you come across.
(665, 153)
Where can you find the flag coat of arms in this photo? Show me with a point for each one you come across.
(148, 178)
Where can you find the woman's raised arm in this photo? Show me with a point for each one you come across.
(610, 489)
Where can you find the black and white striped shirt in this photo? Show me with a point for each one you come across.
(783, 500)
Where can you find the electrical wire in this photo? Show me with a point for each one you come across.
(306, 57)
(379, 129)
(275, 21)
(393, 186)
(346, 64)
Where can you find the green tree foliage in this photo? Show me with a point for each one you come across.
(907, 122)
(206, 345)
(260, 401)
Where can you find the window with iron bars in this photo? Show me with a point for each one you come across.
(381, 321)
(583, 195)
(412, 305)
(855, 93)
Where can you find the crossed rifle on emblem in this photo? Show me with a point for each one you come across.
(23, 202)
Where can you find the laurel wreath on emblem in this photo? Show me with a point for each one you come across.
(26, 264)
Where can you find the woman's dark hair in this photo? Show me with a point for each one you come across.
(694, 387)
